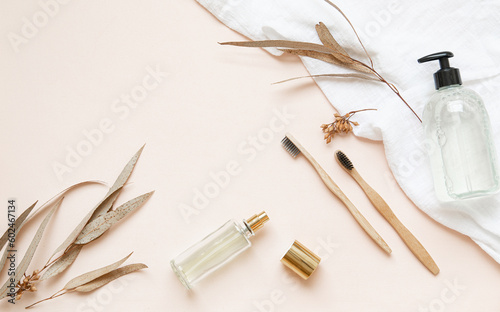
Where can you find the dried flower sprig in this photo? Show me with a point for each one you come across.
(27, 284)
(341, 124)
(329, 51)
(97, 221)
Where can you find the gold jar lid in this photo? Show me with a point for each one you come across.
(301, 260)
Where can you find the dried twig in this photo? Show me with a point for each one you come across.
(331, 52)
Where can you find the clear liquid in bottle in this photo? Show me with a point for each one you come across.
(463, 158)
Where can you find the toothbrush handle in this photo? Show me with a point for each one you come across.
(333, 187)
(408, 238)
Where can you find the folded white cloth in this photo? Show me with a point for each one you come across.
(396, 34)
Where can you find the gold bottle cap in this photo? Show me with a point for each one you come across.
(257, 221)
(301, 260)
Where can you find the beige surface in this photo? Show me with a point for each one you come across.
(198, 119)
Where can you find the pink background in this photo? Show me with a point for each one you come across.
(198, 117)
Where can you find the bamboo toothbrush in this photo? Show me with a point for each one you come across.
(413, 244)
(294, 148)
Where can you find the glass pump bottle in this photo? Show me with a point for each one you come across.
(457, 126)
(216, 249)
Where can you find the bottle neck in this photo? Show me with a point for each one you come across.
(247, 230)
(449, 87)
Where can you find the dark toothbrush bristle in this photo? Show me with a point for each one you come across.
(290, 147)
(344, 160)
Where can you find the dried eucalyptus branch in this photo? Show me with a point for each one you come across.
(70, 252)
(329, 51)
(97, 221)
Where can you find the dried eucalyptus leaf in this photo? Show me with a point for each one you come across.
(119, 183)
(28, 256)
(303, 48)
(105, 203)
(4, 259)
(348, 75)
(126, 172)
(280, 44)
(92, 275)
(23, 266)
(325, 57)
(100, 225)
(328, 40)
(62, 263)
(337, 59)
(103, 280)
(18, 225)
(74, 234)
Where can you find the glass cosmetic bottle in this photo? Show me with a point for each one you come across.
(216, 249)
(457, 126)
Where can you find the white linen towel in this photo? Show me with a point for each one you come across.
(396, 34)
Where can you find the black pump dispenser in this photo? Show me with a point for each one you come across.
(447, 75)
